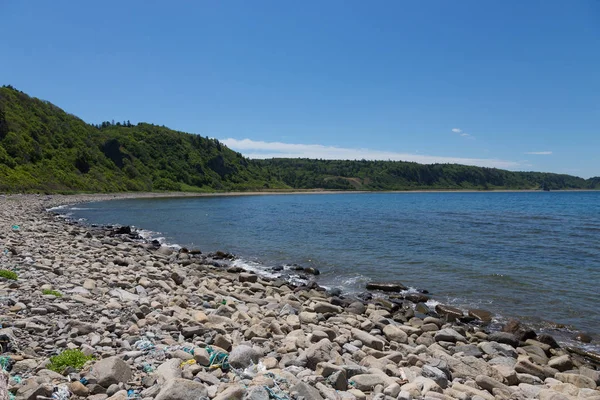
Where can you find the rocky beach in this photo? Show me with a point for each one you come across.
(151, 322)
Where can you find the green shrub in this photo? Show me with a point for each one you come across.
(52, 292)
(5, 273)
(68, 358)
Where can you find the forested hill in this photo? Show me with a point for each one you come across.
(398, 175)
(45, 149)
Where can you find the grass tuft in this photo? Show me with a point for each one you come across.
(68, 358)
(52, 292)
(7, 274)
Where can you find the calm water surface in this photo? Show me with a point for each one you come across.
(534, 256)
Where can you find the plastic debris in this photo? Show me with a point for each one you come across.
(61, 393)
(6, 363)
(188, 362)
(217, 359)
(16, 227)
(144, 345)
(83, 381)
(147, 368)
(131, 394)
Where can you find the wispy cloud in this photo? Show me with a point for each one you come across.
(462, 133)
(539, 153)
(456, 130)
(259, 149)
(465, 134)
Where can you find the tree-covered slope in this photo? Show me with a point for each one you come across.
(399, 175)
(43, 148)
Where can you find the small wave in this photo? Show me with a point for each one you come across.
(56, 208)
(258, 268)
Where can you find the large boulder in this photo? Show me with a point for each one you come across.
(449, 335)
(182, 389)
(366, 382)
(111, 371)
(243, 356)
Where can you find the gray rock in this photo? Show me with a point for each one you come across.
(247, 277)
(366, 382)
(487, 383)
(395, 334)
(168, 370)
(190, 331)
(243, 356)
(578, 380)
(468, 350)
(449, 335)
(110, 371)
(233, 392)
(367, 339)
(435, 374)
(504, 337)
(498, 349)
(386, 286)
(561, 363)
(318, 352)
(338, 380)
(257, 393)
(525, 366)
(323, 308)
(306, 391)
(182, 389)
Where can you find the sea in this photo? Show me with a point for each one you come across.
(533, 256)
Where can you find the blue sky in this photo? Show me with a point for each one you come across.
(512, 84)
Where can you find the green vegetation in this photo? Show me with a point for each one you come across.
(399, 175)
(52, 292)
(68, 358)
(45, 149)
(7, 274)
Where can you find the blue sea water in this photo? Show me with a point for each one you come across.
(529, 255)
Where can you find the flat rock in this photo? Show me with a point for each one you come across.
(366, 382)
(451, 313)
(395, 334)
(449, 335)
(306, 391)
(386, 286)
(182, 389)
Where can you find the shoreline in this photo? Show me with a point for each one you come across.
(322, 346)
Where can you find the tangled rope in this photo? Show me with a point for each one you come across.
(217, 359)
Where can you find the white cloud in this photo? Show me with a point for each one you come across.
(465, 134)
(456, 130)
(539, 153)
(260, 150)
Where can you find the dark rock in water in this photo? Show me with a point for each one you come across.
(386, 286)
(422, 308)
(387, 305)
(583, 337)
(123, 230)
(423, 291)
(481, 315)
(356, 308)
(277, 268)
(416, 297)
(184, 250)
(451, 313)
(336, 301)
(504, 337)
(336, 292)
(549, 340)
(155, 243)
(312, 270)
(235, 270)
(467, 319)
(195, 252)
(221, 255)
(522, 333)
(296, 267)
(365, 296)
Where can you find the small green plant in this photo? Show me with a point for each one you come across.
(5, 273)
(68, 358)
(52, 292)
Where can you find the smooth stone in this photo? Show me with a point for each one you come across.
(112, 370)
(182, 389)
